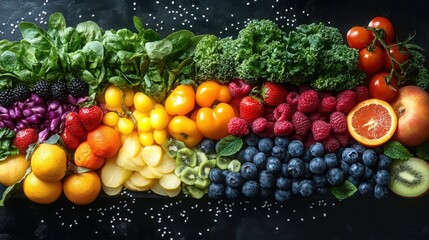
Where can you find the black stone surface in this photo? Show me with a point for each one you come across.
(142, 216)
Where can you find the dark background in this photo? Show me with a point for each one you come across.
(142, 216)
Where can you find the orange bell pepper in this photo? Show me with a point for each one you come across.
(213, 123)
(184, 129)
(210, 92)
(181, 100)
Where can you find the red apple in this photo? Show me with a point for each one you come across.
(412, 108)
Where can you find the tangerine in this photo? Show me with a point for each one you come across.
(40, 191)
(13, 169)
(372, 122)
(85, 157)
(49, 162)
(104, 141)
(82, 188)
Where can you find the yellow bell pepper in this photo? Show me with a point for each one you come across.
(184, 129)
(181, 100)
(210, 92)
(213, 123)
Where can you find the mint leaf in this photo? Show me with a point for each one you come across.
(53, 139)
(229, 145)
(422, 150)
(396, 150)
(344, 191)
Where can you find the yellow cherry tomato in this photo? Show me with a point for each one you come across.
(146, 138)
(110, 119)
(213, 123)
(210, 92)
(143, 102)
(144, 124)
(181, 100)
(159, 118)
(129, 97)
(139, 115)
(125, 125)
(113, 96)
(184, 129)
(160, 136)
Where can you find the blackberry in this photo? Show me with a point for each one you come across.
(21, 93)
(78, 88)
(43, 90)
(59, 91)
(6, 98)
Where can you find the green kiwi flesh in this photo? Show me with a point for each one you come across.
(186, 156)
(171, 146)
(409, 178)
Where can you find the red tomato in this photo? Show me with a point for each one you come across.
(359, 37)
(371, 61)
(378, 87)
(386, 25)
(400, 54)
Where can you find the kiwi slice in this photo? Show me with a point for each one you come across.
(201, 156)
(179, 169)
(186, 156)
(189, 176)
(222, 162)
(193, 191)
(409, 178)
(205, 167)
(234, 165)
(171, 146)
(202, 183)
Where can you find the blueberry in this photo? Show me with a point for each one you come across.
(260, 160)
(234, 179)
(296, 168)
(320, 180)
(240, 155)
(354, 180)
(282, 195)
(344, 168)
(249, 153)
(281, 141)
(356, 169)
(330, 160)
(265, 145)
(350, 155)
(287, 157)
(208, 146)
(368, 174)
(266, 179)
(380, 191)
(369, 157)
(335, 176)
(365, 188)
(295, 187)
(317, 165)
(285, 172)
(252, 140)
(225, 172)
(307, 188)
(249, 171)
(232, 193)
(322, 190)
(307, 172)
(317, 149)
(296, 148)
(382, 178)
(278, 152)
(283, 183)
(339, 152)
(265, 192)
(216, 190)
(273, 165)
(216, 175)
(359, 147)
(306, 157)
(384, 162)
(250, 188)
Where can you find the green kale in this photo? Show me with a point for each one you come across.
(414, 69)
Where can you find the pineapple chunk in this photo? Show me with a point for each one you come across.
(139, 181)
(174, 192)
(152, 155)
(127, 163)
(156, 188)
(111, 191)
(131, 146)
(167, 165)
(169, 181)
(113, 175)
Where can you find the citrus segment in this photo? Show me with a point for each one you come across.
(372, 122)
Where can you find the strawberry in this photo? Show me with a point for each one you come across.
(90, 117)
(25, 137)
(73, 125)
(273, 93)
(250, 108)
(70, 140)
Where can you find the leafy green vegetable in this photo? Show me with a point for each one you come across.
(229, 145)
(422, 150)
(6, 147)
(415, 71)
(344, 191)
(396, 150)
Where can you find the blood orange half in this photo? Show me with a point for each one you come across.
(372, 122)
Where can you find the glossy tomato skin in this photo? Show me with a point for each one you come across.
(399, 53)
(371, 60)
(378, 87)
(386, 25)
(359, 37)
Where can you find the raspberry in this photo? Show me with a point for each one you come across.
(282, 112)
(346, 100)
(295, 136)
(331, 144)
(362, 93)
(338, 121)
(343, 138)
(308, 101)
(301, 123)
(268, 131)
(328, 104)
(309, 141)
(269, 113)
(283, 128)
(238, 127)
(239, 88)
(320, 130)
(292, 99)
(259, 125)
(317, 116)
